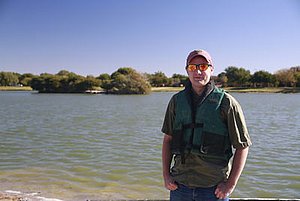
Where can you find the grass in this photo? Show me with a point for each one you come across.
(166, 89)
(8, 88)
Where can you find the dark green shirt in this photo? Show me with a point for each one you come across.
(196, 172)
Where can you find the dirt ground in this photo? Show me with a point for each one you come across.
(9, 197)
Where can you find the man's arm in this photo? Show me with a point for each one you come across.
(166, 162)
(226, 188)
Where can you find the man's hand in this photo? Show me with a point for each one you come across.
(166, 161)
(223, 190)
(170, 183)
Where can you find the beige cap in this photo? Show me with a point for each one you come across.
(202, 53)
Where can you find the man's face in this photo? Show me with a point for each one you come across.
(199, 78)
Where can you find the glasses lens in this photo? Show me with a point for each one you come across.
(192, 67)
(203, 67)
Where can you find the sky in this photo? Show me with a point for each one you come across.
(99, 36)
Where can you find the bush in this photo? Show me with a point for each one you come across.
(128, 81)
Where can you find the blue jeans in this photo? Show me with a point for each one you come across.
(184, 193)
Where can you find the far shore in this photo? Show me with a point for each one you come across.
(176, 89)
(238, 89)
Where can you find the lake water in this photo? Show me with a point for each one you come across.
(79, 147)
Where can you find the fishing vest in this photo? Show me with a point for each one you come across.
(200, 129)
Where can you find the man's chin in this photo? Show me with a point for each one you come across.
(199, 83)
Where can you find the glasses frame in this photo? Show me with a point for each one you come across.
(198, 67)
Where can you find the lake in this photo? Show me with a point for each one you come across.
(79, 146)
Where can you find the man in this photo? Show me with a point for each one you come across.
(202, 124)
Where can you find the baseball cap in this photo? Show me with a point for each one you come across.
(202, 53)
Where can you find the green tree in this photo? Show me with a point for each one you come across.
(179, 80)
(222, 79)
(64, 82)
(263, 79)
(54, 84)
(88, 83)
(128, 81)
(158, 79)
(63, 73)
(297, 78)
(25, 79)
(122, 71)
(9, 79)
(105, 81)
(49, 83)
(104, 76)
(237, 76)
(41, 83)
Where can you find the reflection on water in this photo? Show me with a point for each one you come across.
(76, 147)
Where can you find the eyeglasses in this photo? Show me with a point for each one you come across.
(194, 67)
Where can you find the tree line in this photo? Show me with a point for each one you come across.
(240, 77)
(122, 81)
(128, 81)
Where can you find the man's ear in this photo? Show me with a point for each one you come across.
(212, 70)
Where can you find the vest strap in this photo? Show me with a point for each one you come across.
(193, 125)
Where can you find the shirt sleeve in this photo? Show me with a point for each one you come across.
(237, 127)
(167, 127)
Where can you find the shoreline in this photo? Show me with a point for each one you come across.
(17, 196)
(176, 89)
(238, 89)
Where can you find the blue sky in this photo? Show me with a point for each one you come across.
(99, 36)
